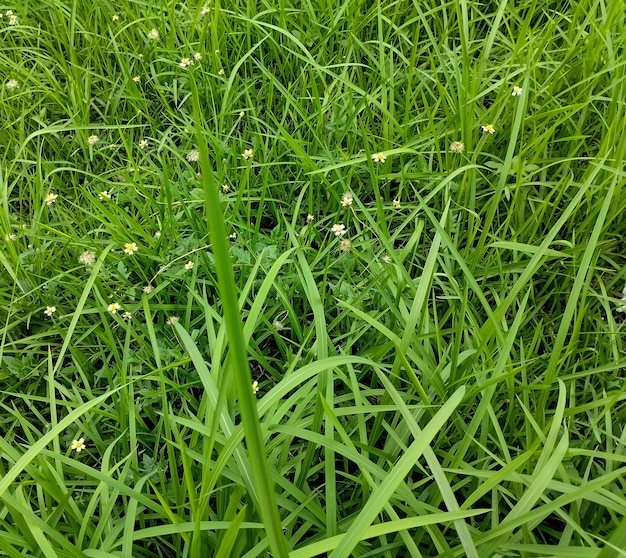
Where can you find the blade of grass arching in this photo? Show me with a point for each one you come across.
(40, 445)
(8, 542)
(555, 427)
(396, 341)
(552, 551)
(582, 280)
(382, 529)
(616, 543)
(385, 490)
(539, 484)
(260, 296)
(106, 478)
(103, 498)
(79, 308)
(188, 494)
(230, 537)
(325, 386)
(445, 489)
(415, 318)
(187, 527)
(52, 406)
(238, 354)
(449, 245)
(491, 326)
(487, 391)
(129, 522)
(592, 491)
(151, 334)
(495, 478)
(218, 416)
(388, 507)
(270, 400)
(422, 294)
(35, 526)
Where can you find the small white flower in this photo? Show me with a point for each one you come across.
(51, 198)
(147, 289)
(12, 84)
(127, 315)
(517, 91)
(488, 129)
(247, 154)
(137, 79)
(130, 248)
(396, 204)
(379, 157)
(113, 307)
(346, 200)
(309, 219)
(153, 34)
(189, 266)
(79, 445)
(92, 140)
(172, 320)
(115, 18)
(205, 10)
(143, 144)
(225, 188)
(13, 20)
(221, 71)
(50, 310)
(338, 230)
(157, 235)
(104, 195)
(255, 386)
(185, 62)
(197, 56)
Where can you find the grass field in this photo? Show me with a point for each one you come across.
(313, 279)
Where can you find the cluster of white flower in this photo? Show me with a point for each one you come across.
(186, 62)
(193, 156)
(12, 18)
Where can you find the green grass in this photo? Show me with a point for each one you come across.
(445, 379)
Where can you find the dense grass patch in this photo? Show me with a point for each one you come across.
(313, 279)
